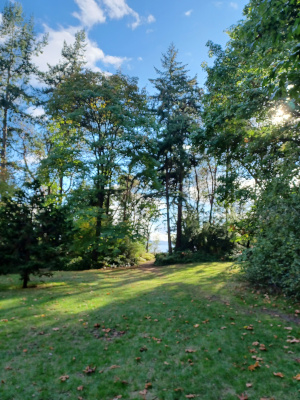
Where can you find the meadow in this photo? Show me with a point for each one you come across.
(176, 332)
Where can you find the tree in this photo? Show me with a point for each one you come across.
(33, 233)
(177, 105)
(18, 45)
(251, 116)
(109, 114)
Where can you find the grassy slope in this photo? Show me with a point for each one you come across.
(148, 306)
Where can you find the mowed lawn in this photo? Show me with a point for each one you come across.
(189, 331)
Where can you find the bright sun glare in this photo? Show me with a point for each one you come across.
(280, 116)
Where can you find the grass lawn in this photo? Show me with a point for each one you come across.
(189, 331)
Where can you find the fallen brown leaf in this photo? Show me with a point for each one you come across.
(89, 370)
(279, 374)
(293, 340)
(148, 385)
(114, 366)
(190, 396)
(249, 327)
(80, 388)
(297, 377)
(254, 366)
(63, 378)
(249, 385)
(190, 351)
(243, 396)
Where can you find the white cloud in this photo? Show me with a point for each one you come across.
(90, 13)
(52, 52)
(188, 13)
(140, 58)
(151, 19)
(35, 111)
(234, 5)
(97, 11)
(118, 9)
(149, 30)
(218, 4)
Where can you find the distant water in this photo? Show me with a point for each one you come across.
(162, 246)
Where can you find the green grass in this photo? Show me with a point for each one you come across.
(48, 331)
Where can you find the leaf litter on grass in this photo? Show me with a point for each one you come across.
(174, 329)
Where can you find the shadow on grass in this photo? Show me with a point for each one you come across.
(158, 317)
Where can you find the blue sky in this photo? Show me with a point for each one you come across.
(132, 34)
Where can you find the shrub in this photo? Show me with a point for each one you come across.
(183, 257)
(274, 258)
(34, 234)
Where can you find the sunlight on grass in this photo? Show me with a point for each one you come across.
(106, 319)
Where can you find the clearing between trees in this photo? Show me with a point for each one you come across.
(184, 331)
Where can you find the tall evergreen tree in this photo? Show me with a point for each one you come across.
(18, 45)
(177, 105)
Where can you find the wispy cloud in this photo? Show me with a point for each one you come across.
(233, 5)
(188, 13)
(90, 13)
(218, 4)
(140, 58)
(150, 19)
(98, 11)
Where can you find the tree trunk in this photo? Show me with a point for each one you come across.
(198, 192)
(179, 215)
(107, 202)
(61, 182)
(5, 130)
(25, 278)
(168, 212)
(4, 145)
(100, 203)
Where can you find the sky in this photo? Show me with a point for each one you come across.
(131, 35)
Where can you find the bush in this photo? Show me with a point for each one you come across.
(33, 234)
(183, 257)
(211, 239)
(274, 258)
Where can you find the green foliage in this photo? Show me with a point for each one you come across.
(18, 46)
(251, 117)
(33, 234)
(274, 258)
(177, 107)
(183, 257)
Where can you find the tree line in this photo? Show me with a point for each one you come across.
(90, 162)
